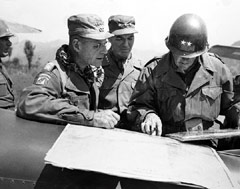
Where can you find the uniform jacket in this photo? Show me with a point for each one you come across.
(6, 89)
(117, 87)
(49, 100)
(162, 91)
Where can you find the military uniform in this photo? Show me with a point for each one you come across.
(48, 99)
(6, 89)
(160, 89)
(6, 84)
(121, 68)
(118, 83)
(66, 92)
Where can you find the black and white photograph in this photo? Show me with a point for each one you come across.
(110, 94)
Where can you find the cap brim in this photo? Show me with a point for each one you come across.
(7, 35)
(184, 54)
(98, 36)
(124, 31)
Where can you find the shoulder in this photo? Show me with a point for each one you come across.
(153, 62)
(159, 63)
(215, 64)
(215, 57)
(49, 73)
(150, 68)
(215, 61)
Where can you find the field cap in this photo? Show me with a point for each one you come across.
(121, 24)
(4, 30)
(87, 26)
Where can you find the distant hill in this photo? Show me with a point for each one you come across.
(45, 52)
(237, 43)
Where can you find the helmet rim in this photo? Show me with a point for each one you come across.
(185, 54)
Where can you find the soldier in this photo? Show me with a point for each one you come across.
(6, 90)
(120, 67)
(66, 91)
(185, 89)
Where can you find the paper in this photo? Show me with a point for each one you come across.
(204, 135)
(135, 155)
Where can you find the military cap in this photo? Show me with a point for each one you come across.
(121, 24)
(4, 30)
(87, 26)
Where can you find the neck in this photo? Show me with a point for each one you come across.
(119, 59)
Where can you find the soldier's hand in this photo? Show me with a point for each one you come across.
(106, 119)
(152, 125)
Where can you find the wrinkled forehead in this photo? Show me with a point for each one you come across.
(124, 36)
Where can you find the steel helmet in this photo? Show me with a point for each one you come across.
(4, 30)
(188, 36)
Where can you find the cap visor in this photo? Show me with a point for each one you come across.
(99, 36)
(7, 35)
(124, 31)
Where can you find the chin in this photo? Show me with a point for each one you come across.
(124, 56)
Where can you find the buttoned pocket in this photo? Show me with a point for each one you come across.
(211, 101)
(212, 92)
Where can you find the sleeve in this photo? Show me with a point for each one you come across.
(229, 107)
(44, 101)
(142, 100)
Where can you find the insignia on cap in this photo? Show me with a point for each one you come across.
(125, 25)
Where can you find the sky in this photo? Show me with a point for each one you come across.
(154, 18)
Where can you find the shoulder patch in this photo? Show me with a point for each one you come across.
(42, 79)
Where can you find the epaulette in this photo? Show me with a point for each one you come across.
(216, 56)
(156, 58)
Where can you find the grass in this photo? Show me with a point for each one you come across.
(21, 78)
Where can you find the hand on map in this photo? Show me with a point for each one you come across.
(106, 118)
(152, 125)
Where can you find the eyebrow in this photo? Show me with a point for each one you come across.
(122, 37)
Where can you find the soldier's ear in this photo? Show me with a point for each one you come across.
(110, 39)
(76, 45)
